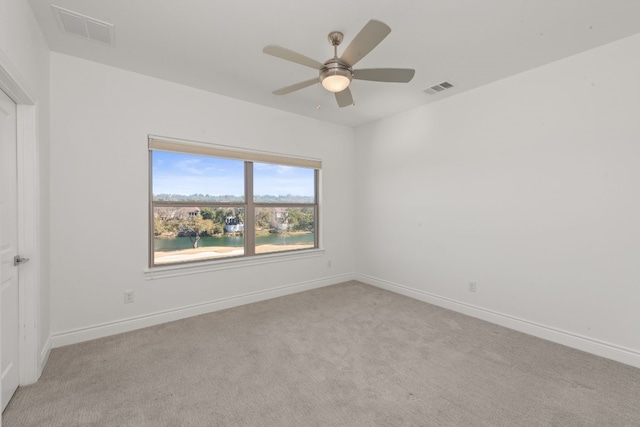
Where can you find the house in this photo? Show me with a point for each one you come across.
(524, 190)
(279, 219)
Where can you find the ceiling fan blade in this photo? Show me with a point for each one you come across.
(344, 98)
(297, 86)
(289, 55)
(369, 37)
(396, 75)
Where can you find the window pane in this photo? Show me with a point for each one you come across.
(182, 234)
(284, 229)
(283, 184)
(189, 177)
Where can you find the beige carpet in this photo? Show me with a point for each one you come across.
(344, 355)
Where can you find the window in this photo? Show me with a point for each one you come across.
(209, 203)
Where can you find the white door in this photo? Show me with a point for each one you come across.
(9, 324)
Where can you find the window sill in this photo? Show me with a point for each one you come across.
(226, 264)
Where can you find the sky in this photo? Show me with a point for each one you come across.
(187, 174)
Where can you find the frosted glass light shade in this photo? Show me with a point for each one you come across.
(336, 83)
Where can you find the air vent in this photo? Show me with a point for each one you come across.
(439, 88)
(84, 26)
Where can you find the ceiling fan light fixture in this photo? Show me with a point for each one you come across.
(335, 77)
(336, 83)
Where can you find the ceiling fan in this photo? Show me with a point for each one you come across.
(336, 73)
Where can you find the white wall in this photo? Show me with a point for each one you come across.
(25, 52)
(529, 186)
(101, 117)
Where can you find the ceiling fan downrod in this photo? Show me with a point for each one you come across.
(335, 38)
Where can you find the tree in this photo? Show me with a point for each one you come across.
(208, 213)
(301, 219)
(195, 226)
(263, 218)
(218, 228)
(158, 226)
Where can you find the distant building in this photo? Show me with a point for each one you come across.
(175, 213)
(280, 219)
(182, 213)
(233, 225)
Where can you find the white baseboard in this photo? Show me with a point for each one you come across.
(28, 377)
(125, 325)
(589, 345)
(44, 356)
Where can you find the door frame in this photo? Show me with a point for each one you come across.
(31, 358)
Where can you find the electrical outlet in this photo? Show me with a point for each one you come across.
(128, 297)
(329, 264)
(473, 286)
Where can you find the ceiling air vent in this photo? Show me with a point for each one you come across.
(439, 88)
(84, 26)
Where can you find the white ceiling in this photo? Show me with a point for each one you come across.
(217, 45)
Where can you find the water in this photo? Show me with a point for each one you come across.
(166, 245)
